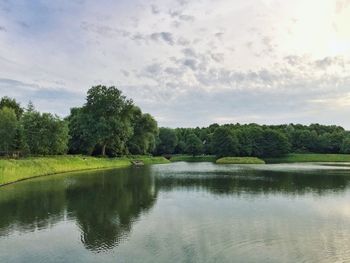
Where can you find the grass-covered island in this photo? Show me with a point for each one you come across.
(16, 170)
(240, 160)
(215, 159)
(191, 158)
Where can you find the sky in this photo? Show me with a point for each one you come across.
(187, 62)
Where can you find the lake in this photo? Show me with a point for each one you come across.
(180, 212)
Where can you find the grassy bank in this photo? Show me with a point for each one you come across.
(190, 158)
(16, 170)
(310, 157)
(240, 160)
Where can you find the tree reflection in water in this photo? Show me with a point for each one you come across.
(106, 209)
(104, 204)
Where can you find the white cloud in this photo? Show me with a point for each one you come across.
(253, 60)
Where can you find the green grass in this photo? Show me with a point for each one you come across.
(310, 157)
(190, 158)
(17, 170)
(240, 160)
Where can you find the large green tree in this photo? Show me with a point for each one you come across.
(44, 133)
(225, 142)
(194, 145)
(81, 138)
(167, 141)
(110, 112)
(8, 129)
(274, 143)
(145, 130)
(103, 124)
(12, 104)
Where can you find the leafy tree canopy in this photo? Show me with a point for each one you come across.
(194, 145)
(12, 104)
(8, 128)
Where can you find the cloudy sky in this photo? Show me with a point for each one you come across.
(187, 62)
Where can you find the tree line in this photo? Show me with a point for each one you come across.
(110, 124)
(254, 140)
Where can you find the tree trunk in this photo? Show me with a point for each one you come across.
(104, 150)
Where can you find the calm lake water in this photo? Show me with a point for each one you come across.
(180, 212)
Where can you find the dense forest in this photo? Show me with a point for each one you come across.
(111, 124)
(254, 140)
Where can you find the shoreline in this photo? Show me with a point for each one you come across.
(64, 172)
(18, 170)
(310, 158)
(289, 158)
(14, 171)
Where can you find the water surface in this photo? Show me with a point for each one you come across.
(180, 212)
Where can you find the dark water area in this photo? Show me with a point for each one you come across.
(180, 212)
